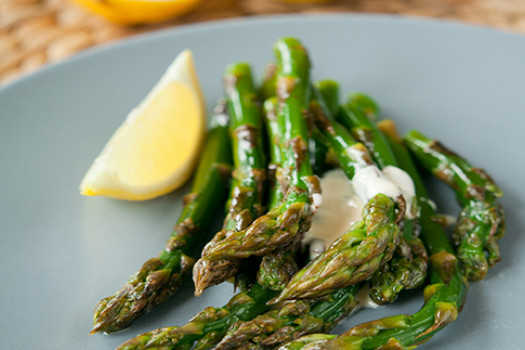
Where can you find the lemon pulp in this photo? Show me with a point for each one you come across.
(154, 151)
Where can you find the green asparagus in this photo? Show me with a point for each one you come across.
(284, 224)
(357, 115)
(368, 244)
(444, 297)
(247, 189)
(308, 132)
(353, 258)
(481, 222)
(276, 174)
(278, 267)
(291, 319)
(328, 91)
(407, 269)
(160, 277)
(267, 89)
(322, 157)
(207, 327)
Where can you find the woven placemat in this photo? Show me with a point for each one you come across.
(35, 32)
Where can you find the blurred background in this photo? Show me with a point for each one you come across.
(38, 32)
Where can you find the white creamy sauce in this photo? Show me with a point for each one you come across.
(317, 199)
(405, 184)
(342, 201)
(369, 181)
(401, 179)
(363, 299)
(357, 154)
(338, 209)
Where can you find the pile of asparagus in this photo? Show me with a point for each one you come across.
(268, 146)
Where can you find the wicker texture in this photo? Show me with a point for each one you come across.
(35, 32)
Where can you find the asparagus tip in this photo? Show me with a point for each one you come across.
(277, 299)
(96, 328)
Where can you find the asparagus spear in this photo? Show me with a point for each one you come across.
(444, 297)
(267, 89)
(160, 277)
(278, 267)
(248, 177)
(327, 92)
(357, 115)
(206, 328)
(291, 319)
(276, 174)
(209, 326)
(322, 158)
(481, 222)
(282, 225)
(368, 244)
(318, 152)
(407, 269)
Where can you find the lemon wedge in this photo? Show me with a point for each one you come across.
(155, 150)
(138, 11)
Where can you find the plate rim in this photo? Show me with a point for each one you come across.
(172, 33)
(183, 29)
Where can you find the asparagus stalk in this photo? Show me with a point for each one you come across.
(278, 267)
(160, 277)
(284, 224)
(407, 269)
(276, 174)
(209, 326)
(353, 258)
(248, 177)
(267, 89)
(206, 328)
(291, 319)
(357, 115)
(481, 222)
(368, 244)
(327, 92)
(444, 297)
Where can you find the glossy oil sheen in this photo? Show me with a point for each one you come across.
(60, 252)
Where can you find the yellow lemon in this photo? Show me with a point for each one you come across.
(154, 151)
(138, 11)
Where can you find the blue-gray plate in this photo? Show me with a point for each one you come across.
(61, 252)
